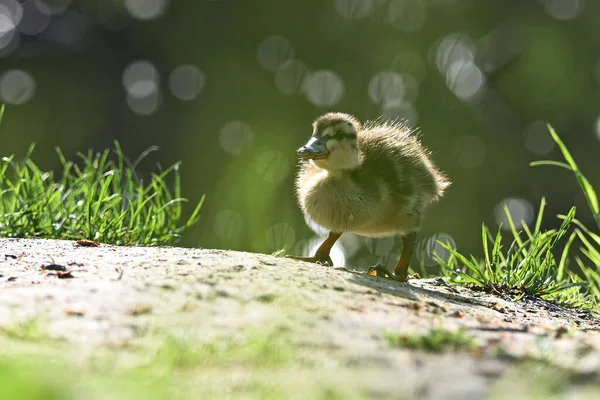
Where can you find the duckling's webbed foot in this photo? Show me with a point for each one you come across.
(322, 254)
(400, 272)
(382, 272)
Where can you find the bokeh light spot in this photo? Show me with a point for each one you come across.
(465, 79)
(11, 14)
(53, 6)
(469, 151)
(354, 9)
(597, 128)
(235, 136)
(280, 236)
(12, 10)
(186, 82)
(146, 9)
(351, 243)
(387, 89)
(454, 48)
(140, 79)
(274, 51)
(289, 77)
(563, 9)
(70, 29)
(228, 224)
(301, 248)
(145, 105)
(538, 139)
(7, 31)
(323, 88)
(428, 248)
(6, 24)
(9, 42)
(36, 18)
(16, 87)
(273, 166)
(520, 210)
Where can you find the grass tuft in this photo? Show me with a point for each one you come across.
(529, 266)
(28, 330)
(590, 240)
(259, 350)
(99, 199)
(436, 340)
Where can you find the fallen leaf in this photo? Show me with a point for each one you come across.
(88, 243)
(357, 309)
(54, 267)
(65, 275)
(75, 263)
(77, 312)
(139, 309)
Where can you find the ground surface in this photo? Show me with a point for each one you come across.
(292, 329)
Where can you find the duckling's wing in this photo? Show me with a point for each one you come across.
(394, 160)
(383, 168)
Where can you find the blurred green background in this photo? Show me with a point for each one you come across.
(231, 88)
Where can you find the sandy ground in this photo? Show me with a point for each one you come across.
(114, 295)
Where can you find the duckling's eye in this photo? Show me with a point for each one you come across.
(339, 135)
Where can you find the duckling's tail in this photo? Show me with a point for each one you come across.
(442, 183)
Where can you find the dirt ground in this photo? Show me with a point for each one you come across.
(341, 320)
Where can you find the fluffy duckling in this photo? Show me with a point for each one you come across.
(373, 180)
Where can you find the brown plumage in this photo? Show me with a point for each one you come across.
(374, 180)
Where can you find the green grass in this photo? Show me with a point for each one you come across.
(531, 265)
(436, 340)
(534, 380)
(255, 365)
(257, 349)
(101, 197)
(27, 330)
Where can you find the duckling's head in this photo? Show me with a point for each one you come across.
(333, 145)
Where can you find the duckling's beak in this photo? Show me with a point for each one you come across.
(315, 149)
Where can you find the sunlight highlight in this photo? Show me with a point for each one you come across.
(16, 87)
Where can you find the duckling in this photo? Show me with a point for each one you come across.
(373, 179)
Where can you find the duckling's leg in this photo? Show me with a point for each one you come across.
(401, 270)
(408, 246)
(322, 254)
